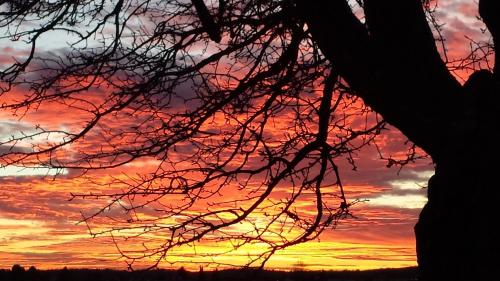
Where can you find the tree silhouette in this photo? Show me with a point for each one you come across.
(254, 96)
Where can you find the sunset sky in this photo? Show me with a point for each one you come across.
(39, 224)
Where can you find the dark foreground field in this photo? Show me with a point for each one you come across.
(18, 274)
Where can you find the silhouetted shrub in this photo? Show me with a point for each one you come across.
(183, 274)
(17, 269)
(17, 272)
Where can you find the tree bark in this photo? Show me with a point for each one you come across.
(489, 10)
(457, 236)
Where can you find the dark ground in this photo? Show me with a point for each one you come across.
(18, 273)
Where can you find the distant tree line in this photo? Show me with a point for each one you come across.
(19, 273)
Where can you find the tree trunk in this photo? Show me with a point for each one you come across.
(457, 236)
(392, 63)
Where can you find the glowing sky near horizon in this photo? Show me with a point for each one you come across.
(39, 225)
